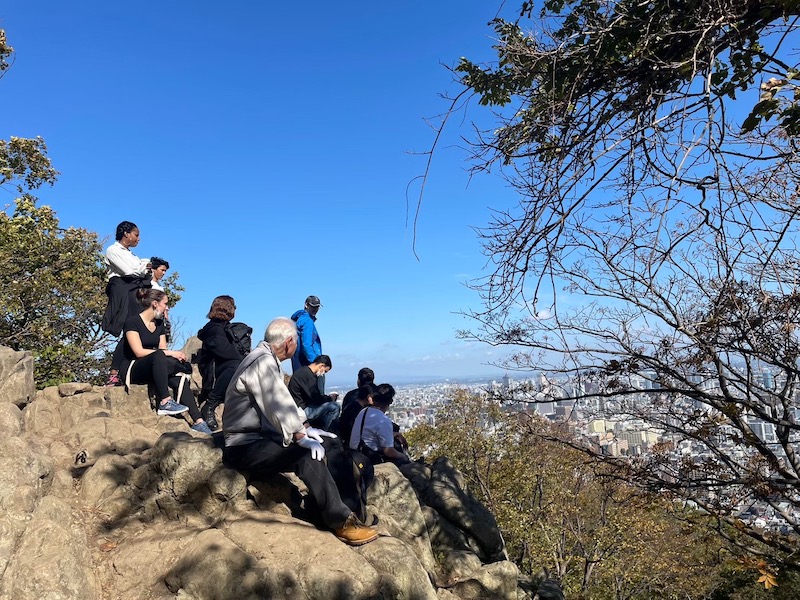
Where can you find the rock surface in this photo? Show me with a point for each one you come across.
(102, 499)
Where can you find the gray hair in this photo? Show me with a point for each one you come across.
(279, 330)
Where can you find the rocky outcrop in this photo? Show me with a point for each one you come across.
(103, 499)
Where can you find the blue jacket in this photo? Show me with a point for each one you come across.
(309, 345)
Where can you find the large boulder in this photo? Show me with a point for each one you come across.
(446, 494)
(16, 377)
(52, 560)
(392, 497)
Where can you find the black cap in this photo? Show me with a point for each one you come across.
(313, 301)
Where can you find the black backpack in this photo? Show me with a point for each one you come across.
(353, 473)
(240, 334)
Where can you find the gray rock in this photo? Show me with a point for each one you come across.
(10, 419)
(392, 497)
(75, 409)
(16, 377)
(70, 389)
(447, 495)
(52, 560)
(25, 475)
(43, 415)
(129, 405)
(103, 478)
(303, 560)
(214, 567)
(497, 581)
(404, 577)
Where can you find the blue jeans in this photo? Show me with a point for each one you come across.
(323, 415)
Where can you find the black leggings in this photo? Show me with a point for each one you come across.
(153, 370)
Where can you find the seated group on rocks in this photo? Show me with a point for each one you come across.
(269, 427)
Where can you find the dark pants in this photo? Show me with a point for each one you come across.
(119, 354)
(266, 458)
(153, 369)
(222, 377)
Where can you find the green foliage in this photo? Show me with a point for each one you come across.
(625, 59)
(25, 159)
(51, 293)
(555, 510)
(172, 288)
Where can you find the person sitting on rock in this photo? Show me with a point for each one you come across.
(266, 432)
(365, 375)
(321, 409)
(147, 360)
(364, 395)
(221, 355)
(373, 432)
(159, 268)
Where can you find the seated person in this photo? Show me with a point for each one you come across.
(376, 431)
(321, 409)
(159, 268)
(147, 360)
(364, 396)
(266, 432)
(365, 376)
(221, 355)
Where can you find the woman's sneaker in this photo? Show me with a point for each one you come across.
(202, 427)
(113, 381)
(171, 408)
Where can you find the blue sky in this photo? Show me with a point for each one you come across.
(264, 149)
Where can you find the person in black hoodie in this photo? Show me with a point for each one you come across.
(221, 355)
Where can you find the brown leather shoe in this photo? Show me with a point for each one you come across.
(354, 532)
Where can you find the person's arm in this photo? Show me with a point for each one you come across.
(390, 452)
(385, 435)
(124, 262)
(162, 345)
(135, 343)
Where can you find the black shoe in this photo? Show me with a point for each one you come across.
(208, 414)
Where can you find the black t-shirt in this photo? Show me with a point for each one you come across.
(346, 420)
(150, 339)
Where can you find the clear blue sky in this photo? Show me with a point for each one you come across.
(264, 149)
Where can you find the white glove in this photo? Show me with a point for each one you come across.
(317, 451)
(318, 434)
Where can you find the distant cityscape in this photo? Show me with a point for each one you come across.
(599, 421)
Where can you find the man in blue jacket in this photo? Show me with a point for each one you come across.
(309, 346)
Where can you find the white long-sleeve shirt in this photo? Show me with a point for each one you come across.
(121, 261)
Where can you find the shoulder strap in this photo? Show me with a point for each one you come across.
(364, 420)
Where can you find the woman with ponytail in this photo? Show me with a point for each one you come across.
(147, 360)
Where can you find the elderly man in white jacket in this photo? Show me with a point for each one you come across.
(267, 433)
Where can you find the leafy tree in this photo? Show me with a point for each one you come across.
(595, 534)
(51, 293)
(652, 258)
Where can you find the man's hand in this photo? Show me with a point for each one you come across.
(317, 451)
(318, 434)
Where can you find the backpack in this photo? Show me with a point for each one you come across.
(240, 334)
(353, 473)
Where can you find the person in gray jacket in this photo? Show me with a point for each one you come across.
(267, 433)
